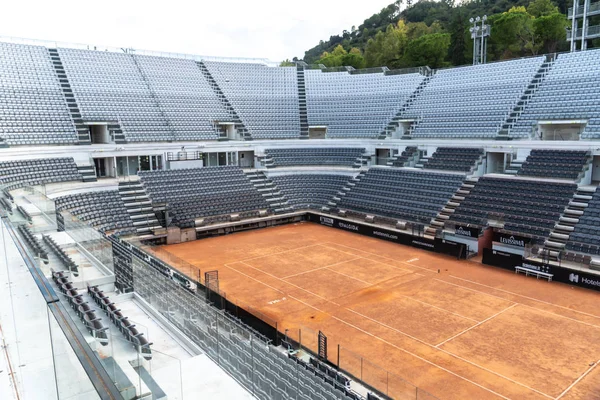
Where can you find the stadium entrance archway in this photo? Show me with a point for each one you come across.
(99, 133)
(246, 159)
(495, 163)
(105, 167)
(384, 156)
(317, 132)
(561, 130)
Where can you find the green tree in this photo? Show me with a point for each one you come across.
(513, 34)
(287, 63)
(550, 31)
(459, 29)
(431, 50)
(373, 50)
(540, 8)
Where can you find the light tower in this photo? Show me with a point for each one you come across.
(479, 33)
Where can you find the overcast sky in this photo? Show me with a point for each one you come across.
(273, 29)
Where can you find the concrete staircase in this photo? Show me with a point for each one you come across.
(302, 102)
(558, 238)
(139, 207)
(439, 221)
(156, 101)
(513, 116)
(235, 118)
(394, 123)
(88, 172)
(332, 204)
(83, 132)
(270, 192)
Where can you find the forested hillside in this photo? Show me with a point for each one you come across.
(436, 33)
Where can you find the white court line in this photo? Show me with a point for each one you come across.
(377, 255)
(279, 252)
(439, 308)
(317, 269)
(451, 354)
(289, 283)
(422, 359)
(474, 290)
(254, 279)
(577, 380)
(560, 316)
(351, 277)
(476, 325)
(405, 351)
(375, 261)
(526, 297)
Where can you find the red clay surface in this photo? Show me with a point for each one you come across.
(468, 332)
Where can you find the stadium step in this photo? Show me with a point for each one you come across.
(438, 223)
(139, 207)
(560, 234)
(88, 173)
(234, 117)
(393, 125)
(83, 133)
(528, 93)
(302, 102)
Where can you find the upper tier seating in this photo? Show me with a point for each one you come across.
(104, 210)
(402, 194)
(356, 105)
(527, 207)
(16, 174)
(265, 98)
(586, 236)
(346, 156)
(471, 102)
(305, 191)
(189, 103)
(109, 87)
(570, 91)
(563, 164)
(453, 159)
(214, 192)
(33, 109)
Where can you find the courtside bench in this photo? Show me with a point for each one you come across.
(534, 272)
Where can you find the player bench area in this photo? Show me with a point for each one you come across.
(536, 273)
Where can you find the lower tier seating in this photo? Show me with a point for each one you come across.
(16, 174)
(454, 159)
(212, 193)
(525, 206)
(564, 164)
(415, 196)
(314, 156)
(305, 191)
(104, 210)
(586, 236)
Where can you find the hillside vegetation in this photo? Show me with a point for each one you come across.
(436, 33)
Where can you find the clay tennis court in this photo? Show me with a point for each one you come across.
(467, 332)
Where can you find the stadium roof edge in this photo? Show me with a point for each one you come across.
(82, 46)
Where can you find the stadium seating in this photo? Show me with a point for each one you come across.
(104, 210)
(33, 110)
(265, 98)
(408, 195)
(16, 174)
(109, 87)
(356, 105)
(586, 236)
(404, 158)
(201, 193)
(304, 191)
(453, 159)
(563, 164)
(184, 95)
(471, 102)
(570, 91)
(314, 156)
(525, 207)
